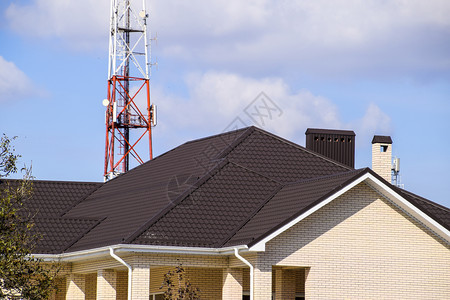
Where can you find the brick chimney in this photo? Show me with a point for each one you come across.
(382, 156)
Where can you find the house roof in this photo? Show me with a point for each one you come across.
(225, 190)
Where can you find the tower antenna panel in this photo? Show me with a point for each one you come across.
(128, 107)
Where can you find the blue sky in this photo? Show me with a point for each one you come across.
(375, 67)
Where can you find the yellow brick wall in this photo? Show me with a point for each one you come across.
(300, 280)
(232, 283)
(156, 278)
(262, 280)
(92, 265)
(200, 261)
(60, 293)
(234, 262)
(284, 283)
(246, 279)
(75, 287)
(91, 286)
(361, 246)
(209, 281)
(122, 285)
(140, 278)
(106, 284)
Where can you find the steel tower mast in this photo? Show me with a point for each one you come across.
(128, 87)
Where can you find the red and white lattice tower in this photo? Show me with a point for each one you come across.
(128, 81)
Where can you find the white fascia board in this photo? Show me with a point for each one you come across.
(377, 185)
(127, 248)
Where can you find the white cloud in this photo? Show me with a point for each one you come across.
(375, 119)
(14, 83)
(216, 99)
(318, 37)
(374, 122)
(80, 25)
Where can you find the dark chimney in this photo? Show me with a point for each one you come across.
(338, 145)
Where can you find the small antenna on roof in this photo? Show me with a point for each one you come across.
(396, 179)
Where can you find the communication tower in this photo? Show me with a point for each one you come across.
(130, 115)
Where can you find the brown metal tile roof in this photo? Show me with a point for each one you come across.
(207, 215)
(50, 200)
(58, 234)
(225, 190)
(54, 198)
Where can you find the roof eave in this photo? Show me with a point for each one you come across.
(131, 248)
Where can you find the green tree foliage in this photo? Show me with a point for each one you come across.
(178, 287)
(8, 160)
(22, 276)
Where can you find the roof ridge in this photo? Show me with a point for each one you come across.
(217, 135)
(227, 150)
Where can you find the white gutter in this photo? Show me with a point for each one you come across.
(132, 248)
(236, 253)
(130, 270)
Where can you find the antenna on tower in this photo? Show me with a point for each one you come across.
(128, 85)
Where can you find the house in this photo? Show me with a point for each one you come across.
(249, 215)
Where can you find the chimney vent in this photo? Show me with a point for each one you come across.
(338, 145)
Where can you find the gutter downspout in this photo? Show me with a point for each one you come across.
(113, 255)
(236, 253)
